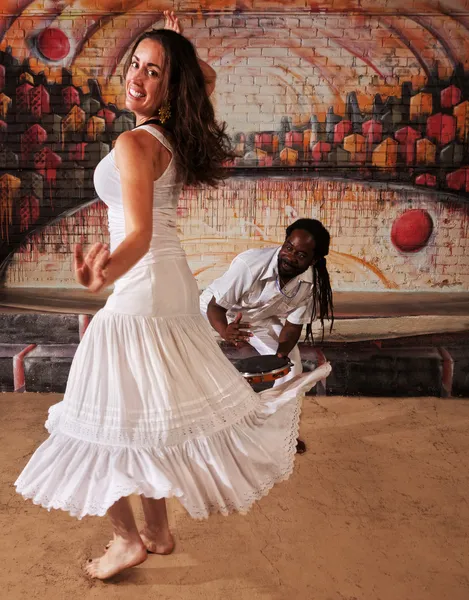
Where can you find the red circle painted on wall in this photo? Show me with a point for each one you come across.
(53, 44)
(411, 231)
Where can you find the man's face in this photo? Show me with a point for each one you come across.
(296, 255)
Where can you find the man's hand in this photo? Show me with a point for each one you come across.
(90, 271)
(288, 338)
(237, 332)
(172, 22)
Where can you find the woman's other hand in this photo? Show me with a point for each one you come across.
(90, 270)
(172, 22)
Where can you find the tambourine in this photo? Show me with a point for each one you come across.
(263, 369)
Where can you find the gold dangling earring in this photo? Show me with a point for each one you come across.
(164, 112)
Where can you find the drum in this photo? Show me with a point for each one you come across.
(263, 369)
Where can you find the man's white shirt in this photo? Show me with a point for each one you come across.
(251, 286)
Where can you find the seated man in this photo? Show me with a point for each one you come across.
(267, 295)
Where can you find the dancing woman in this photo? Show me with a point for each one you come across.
(152, 406)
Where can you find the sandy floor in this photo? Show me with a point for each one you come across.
(376, 510)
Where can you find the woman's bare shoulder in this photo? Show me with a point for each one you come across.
(137, 141)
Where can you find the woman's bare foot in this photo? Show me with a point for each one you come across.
(157, 542)
(122, 554)
(108, 545)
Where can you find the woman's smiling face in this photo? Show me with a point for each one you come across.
(145, 81)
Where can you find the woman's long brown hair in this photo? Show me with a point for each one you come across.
(200, 143)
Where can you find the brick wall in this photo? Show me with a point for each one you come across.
(373, 93)
(248, 213)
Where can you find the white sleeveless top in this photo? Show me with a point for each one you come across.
(166, 192)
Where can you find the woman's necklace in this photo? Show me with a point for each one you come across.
(280, 285)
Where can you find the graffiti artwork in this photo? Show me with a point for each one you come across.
(359, 117)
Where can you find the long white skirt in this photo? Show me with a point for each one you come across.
(153, 407)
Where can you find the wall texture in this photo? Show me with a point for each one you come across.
(356, 113)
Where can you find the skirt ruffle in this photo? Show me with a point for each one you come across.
(193, 429)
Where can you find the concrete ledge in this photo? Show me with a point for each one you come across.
(347, 304)
(39, 328)
(46, 368)
(398, 372)
(435, 364)
(386, 372)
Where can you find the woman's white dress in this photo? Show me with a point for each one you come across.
(152, 405)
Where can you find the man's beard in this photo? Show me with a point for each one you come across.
(286, 269)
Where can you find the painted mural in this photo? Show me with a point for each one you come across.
(351, 112)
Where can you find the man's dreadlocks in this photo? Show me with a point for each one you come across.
(323, 307)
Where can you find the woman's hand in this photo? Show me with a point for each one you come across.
(172, 22)
(90, 271)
